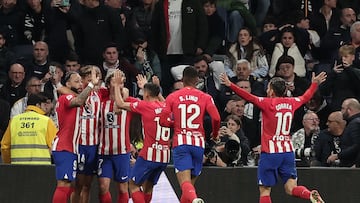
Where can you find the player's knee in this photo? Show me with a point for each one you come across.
(123, 187)
(289, 188)
(86, 189)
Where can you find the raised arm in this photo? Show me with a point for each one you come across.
(156, 81)
(239, 91)
(117, 81)
(315, 81)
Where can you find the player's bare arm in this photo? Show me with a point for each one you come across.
(118, 80)
(141, 81)
(80, 99)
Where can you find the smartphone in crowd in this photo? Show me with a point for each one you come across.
(52, 70)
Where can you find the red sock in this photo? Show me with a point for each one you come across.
(301, 192)
(138, 197)
(62, 194)
(148, 197)
(123, 198)
(105, 198)
(265, 199)
(182, 199)
(188, 192)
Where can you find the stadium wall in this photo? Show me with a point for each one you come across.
(36, 184)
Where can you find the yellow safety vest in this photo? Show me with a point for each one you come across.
(28, 139)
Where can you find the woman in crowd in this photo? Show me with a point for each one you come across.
(288, 46)
(246, 48)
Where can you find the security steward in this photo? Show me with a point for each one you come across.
(28, 137)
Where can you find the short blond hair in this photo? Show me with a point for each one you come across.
(346, 50)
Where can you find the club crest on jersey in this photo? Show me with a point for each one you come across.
(135, 104)
(95, 98)
(88, 109)
(110, 117)
(68, 97)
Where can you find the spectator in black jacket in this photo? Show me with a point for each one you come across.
(327, 18)
(11, 16)
(343, 82)
(350, 140)
(5, 116)
(58, 31)
(96, 26)
(14, 88)
(333, 39)
(216, 31)
(141, 17)
(328, 141)
(7, 57)
(38, 66)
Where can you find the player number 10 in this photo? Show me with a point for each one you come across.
(283, 123)
(162, 133)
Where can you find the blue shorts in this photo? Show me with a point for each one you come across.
(119, 165)
(65, 165)
(187, 157)
(87, 159)
(271, 166)
(146, 170)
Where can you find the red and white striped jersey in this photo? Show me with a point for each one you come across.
(68, 121)
(89, 120)
(156, 138)
(115, 129)
(277, 115)
(188, 107)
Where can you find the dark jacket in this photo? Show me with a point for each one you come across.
(12, 94)
(5, 116)
(35, 70)
(33, 25)
(318, 22)
(10, 23)
(331, 42)
(7, 58)
(56, 37)
(324, 146)
(141, 19)
(95, 28)
(216, 34)
(194, 28)
(341, 86)
(350, 142)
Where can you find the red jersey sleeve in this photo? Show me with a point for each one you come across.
(137, 106)
(215, 117)
(67, 99)
(246, 95)
(165, 116)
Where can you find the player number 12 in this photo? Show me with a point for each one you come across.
(193, 109)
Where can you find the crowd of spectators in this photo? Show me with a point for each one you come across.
(251, 40)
